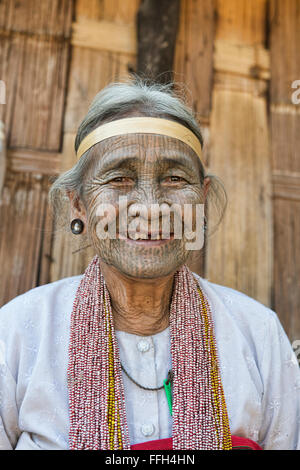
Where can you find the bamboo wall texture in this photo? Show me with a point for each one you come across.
(285, 140)
(237, 59)
(242, 251)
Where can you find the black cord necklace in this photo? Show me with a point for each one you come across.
(168, 381)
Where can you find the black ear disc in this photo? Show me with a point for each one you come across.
(77, 226)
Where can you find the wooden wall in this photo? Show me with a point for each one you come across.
(34, 57)
(285, 159)
(236, 61)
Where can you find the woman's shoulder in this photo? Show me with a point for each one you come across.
(238, 304)
(48, 296)
(30, 319)
(237, 315)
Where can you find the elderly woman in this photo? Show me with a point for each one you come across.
(139, 352)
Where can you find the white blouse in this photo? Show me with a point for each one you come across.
(260, 372)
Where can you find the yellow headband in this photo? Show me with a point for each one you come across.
(140, 125)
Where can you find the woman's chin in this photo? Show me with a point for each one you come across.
(144, 261)
(147, 273)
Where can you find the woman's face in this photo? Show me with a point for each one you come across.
(152, 171)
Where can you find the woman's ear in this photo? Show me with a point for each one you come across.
(77, 208)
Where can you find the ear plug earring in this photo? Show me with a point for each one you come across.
(77, 226)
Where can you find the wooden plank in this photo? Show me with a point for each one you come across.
(285, 109)
(22, 211)
(104, 36)
(243, 59)
(287, 264)
(285, 133)
(90, 71)
(239, 254)
(39, 94)
(33, 64)
(286, 185)
(46, 17)
(68, 157)
(117, 11)
(193, 62)
(241, 83)
(89, 10)
(120, 11)
(284, 43)
(34, 161)
(241, 21)
(11, 51)
(157, 24)
(2, 156)
(45, 250)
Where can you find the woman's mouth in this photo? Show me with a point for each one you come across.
(152, 240)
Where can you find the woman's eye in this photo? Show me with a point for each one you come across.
(174, 179)
(122, 179)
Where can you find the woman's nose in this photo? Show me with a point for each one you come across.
(149, 193)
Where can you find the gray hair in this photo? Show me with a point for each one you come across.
(137, 97)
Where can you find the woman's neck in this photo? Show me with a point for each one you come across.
(139, 306)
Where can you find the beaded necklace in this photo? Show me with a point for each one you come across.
(96, 393)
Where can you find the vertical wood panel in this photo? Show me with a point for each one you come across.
(241, 21)
(284, 40)
(39, 95)
(34, 52)
(119, 11)
(193, 64)
(22, 210)
(239, 254)
(285, 134)
(90, 71)
(10, 68)
(34, 49)
(287, 264)
(46, 17)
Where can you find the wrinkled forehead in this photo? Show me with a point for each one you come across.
(142, 150)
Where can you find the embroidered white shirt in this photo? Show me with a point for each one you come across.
(260, 372)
